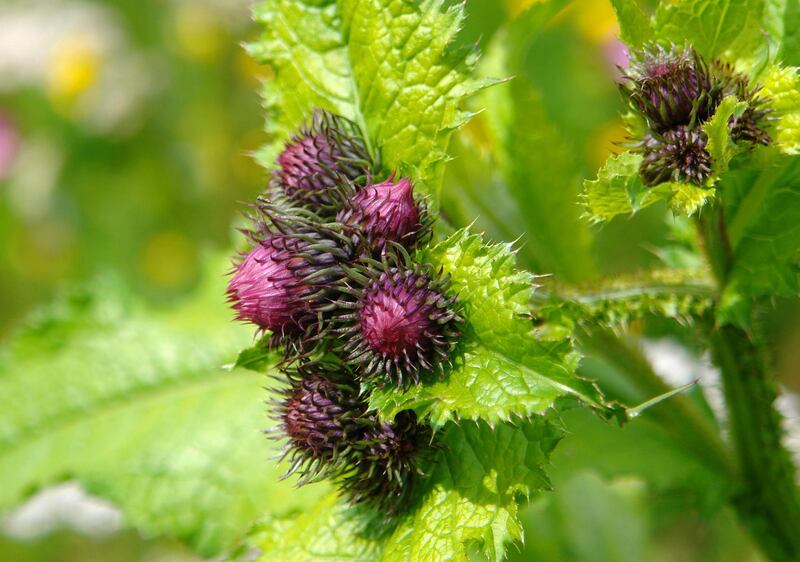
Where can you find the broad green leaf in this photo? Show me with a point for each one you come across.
(636, 28)
(467, 505)
(134, 405)
(781, 89)
(720, 146)
(618, 190)
(389, 65)
(506, 367)
(790, 52)
(764, 230)
(535, 163)
(574, 524)
(748, 30)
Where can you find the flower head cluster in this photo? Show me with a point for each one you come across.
(330, 275)
(676, 92)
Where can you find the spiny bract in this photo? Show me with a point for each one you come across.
(400, 323)
(316, 161)
(322, 417)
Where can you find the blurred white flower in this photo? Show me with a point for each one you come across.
(78, 53)
(62, 506)
(33, 178)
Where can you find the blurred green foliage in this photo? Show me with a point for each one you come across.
(132, 142)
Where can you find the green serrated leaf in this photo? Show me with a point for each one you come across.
(636, 28)
(682, 295)
(388, 65)
(507, 368)
(618, 190)
(749, 30)
(134, 405)
(467, 505)
(617, 185)
(781, 90)
(720, 146)
(258, 357)
(683, 198)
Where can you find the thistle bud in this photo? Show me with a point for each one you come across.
(750, 126)
(293, 273)
(321, 418)
(678, 155)
(316, 160)
(387, 212)
(265, 290)
(388, 463)
(671, 88)
(401, 324)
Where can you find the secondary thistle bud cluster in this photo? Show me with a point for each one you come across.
(332, 276)
(676, 92)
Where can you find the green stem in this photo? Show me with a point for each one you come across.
(767, 499)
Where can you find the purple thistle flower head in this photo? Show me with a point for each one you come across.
(388, 463)
(387, 212)
(319, 158)
(678, 155)
(289, 278)
(401, 324)
(321, 418)
(264, 289)
(671, 87)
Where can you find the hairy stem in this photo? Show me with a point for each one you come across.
(767, 499)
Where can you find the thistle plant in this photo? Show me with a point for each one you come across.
(448, 349)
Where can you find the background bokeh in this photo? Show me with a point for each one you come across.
(126, 128)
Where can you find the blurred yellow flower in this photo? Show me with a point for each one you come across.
(74, 68)
(516, 7)
(198, 32)
(595, 20)
(606, 142)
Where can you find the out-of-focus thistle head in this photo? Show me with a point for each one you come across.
(315, 161)
(286, 283)
(322, 421)
(388, 463)
(750, 126)
(671, 87)
(387, 212)
(678, 155)
(398, 322)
